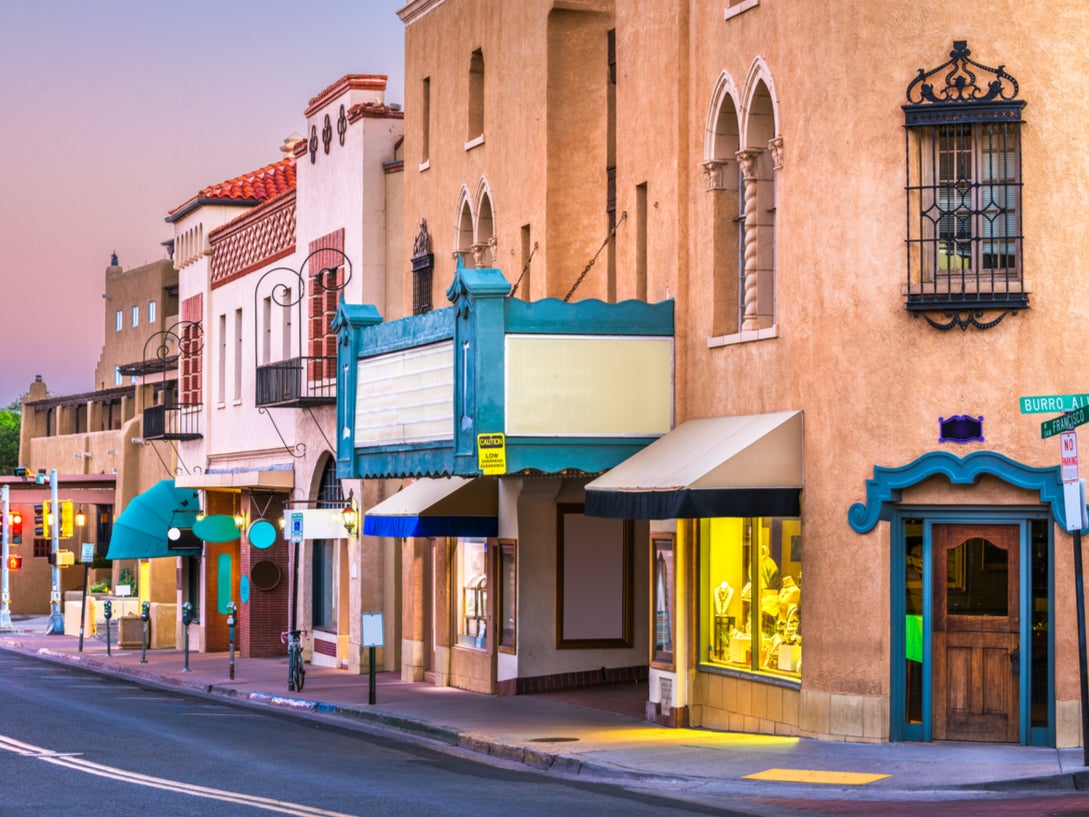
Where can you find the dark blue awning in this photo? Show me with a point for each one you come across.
(738, 466)
(450, 506)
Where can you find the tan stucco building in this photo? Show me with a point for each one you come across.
(868, 266)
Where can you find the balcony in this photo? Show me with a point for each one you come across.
(173, 421)
(297, 382)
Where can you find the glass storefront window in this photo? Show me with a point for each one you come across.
(471, 582)
(752, 623)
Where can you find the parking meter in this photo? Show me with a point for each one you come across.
(187, 619)
(231, 609)
(107, 613)
(145, 614)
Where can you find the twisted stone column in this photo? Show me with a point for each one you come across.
(748, 159)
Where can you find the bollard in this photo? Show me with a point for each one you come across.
(187, 619)
(230, 625)
(145, 614)
(107, 612)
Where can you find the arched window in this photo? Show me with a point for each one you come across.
(760, 160)
(322, 569)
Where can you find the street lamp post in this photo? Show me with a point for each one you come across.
(56, 618)
(5, 598)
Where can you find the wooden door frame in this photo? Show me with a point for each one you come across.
(899, 729)
(945, 629)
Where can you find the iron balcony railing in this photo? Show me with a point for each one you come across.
(173, 421)
(297, 382)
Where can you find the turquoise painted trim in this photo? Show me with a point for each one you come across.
(480, 317)
(349, 323)
(883, 491)
(224, 582)
(407, 333)
(943, 515)
(589, 317)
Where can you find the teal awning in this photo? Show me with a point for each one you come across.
(140, 532)
(216, 528)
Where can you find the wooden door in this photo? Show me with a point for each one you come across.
(976, 660)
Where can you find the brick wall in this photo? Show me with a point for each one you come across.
(265, 615)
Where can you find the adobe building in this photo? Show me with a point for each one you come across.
(849, 526)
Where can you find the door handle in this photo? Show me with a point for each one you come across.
(1015, 661)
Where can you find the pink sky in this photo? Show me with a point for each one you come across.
(120, 110)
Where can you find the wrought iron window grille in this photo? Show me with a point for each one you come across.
(964, 194)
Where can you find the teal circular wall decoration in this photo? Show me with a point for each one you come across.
(262, 534)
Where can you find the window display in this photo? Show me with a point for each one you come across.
(472, 592)
(752, 624)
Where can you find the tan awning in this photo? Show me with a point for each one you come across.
(451, 506)
(280, 480)
(749, 465)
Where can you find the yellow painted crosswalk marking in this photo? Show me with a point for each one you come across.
(816, 776)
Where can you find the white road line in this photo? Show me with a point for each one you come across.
(69, 761)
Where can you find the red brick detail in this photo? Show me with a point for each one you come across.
(366, 82)
(256, 239)
(259, 185)
(325, 647)
(327, 253)
(265, 616)
(190, 350)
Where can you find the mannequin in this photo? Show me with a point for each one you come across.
(723, 595)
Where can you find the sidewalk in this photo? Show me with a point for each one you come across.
(570, 736)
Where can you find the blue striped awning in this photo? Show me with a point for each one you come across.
(448, 506)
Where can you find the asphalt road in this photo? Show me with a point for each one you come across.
(80, 745)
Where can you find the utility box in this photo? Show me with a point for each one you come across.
(130, 631)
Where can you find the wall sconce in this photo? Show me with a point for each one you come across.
(81, 518)
(351, 516)
(240, 521)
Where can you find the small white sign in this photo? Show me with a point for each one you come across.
(87, 552)
(372, 630)
(1068, 448)
(1077, 517)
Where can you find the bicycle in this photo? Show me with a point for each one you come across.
(296, 672)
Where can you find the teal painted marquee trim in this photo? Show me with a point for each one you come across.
(479, 318)
(883, 491)
(589, 317)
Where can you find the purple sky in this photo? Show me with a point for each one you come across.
(120, 110)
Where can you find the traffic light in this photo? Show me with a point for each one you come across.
(41, 521)
(66, 519)
(62, 558)
(16, 528)
(15, 562)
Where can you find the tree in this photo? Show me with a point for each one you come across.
(11, 421)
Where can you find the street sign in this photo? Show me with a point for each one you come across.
(1053, 403)
(1077, 417)
(87, 552)
(1068, 451)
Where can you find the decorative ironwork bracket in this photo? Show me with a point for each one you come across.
(298, 451)
(963, 318)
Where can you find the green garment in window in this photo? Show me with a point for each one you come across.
(913, 643)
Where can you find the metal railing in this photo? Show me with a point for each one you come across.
(173, 421)
(297, 382)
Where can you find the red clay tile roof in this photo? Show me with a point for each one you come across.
(257, 186)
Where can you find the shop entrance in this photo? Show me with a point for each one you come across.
(976, 632)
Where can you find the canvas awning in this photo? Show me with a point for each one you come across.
(749, 465)
(449, 506)
(141, 531)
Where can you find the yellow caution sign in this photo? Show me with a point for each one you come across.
(491, 453)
